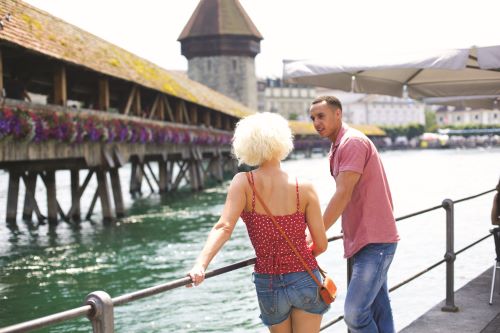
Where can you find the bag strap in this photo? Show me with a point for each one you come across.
(282, 232)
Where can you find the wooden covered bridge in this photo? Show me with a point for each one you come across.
(98, 107)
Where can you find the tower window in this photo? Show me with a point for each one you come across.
(235, 65)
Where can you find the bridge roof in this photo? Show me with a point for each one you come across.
(40, 32)
(307, 128)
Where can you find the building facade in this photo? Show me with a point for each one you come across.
(450, 116)
(384, 111)
(292, 101)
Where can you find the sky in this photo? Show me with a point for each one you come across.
(292, 29)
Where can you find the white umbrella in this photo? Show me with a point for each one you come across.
(456, 72)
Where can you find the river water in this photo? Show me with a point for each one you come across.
(44, 271)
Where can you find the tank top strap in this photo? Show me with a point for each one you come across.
(252, 184)
(297, 190)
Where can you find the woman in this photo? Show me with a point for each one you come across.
(287, 294)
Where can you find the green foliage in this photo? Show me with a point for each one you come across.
(293, 116)
(430, 121)
(410, 131)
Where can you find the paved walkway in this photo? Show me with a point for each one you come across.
(475, 315)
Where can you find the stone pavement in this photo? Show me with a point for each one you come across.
(475, 315)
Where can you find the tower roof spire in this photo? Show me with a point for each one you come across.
(219, 18)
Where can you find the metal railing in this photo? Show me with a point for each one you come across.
(99, 306)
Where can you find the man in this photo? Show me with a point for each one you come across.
(363, 198)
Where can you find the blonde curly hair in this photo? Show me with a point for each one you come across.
(262, 137)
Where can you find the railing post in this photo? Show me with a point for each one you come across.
(450, 258)
(102, 316)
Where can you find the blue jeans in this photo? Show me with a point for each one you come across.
(279, 293)
(367, 306)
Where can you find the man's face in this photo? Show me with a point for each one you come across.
(327, 120)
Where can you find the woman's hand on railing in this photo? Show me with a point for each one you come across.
(197, 275)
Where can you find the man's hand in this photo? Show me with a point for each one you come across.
(309, 239)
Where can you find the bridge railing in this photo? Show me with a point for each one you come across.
(99, 306)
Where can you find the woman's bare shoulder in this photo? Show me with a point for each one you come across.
(239, 180)
(306, 188)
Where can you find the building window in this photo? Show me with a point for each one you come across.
(235, 65)
(209, 65)
(458, 118)
(476, 117)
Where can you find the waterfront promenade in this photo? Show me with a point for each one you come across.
(475, 315)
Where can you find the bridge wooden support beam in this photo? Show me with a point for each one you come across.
(29, 198)
(117, 192)
(49, 178)
(75, 196)
(92, 205)
(215, 167)
(163, 181)
(170, 174)
(103, 190)
(143, 171)
(136, 177)
(152, 174)
(30, 202)
(183, 167)
(189, 166)
(229, 164)
(196, 174)
(12, 196)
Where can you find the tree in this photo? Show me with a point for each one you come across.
(430, 121)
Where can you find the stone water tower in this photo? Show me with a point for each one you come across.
(221, 42)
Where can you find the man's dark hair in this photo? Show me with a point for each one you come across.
(330, 100)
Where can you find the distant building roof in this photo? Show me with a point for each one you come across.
(219, 17)
(36, 30)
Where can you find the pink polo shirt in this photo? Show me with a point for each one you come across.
(368, 217)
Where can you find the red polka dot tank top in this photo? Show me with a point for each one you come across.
(274, 255)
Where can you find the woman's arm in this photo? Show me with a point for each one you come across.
(315, 221)
(222, 230)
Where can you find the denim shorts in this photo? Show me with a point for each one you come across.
(279, 293)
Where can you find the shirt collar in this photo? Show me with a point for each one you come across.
(342, 131)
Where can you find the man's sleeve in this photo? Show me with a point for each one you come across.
(353, 156)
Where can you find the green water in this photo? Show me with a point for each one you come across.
(44, 271)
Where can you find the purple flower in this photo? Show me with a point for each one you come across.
(143, 135)
(4, 126)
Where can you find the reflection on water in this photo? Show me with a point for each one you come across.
(44, 270)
